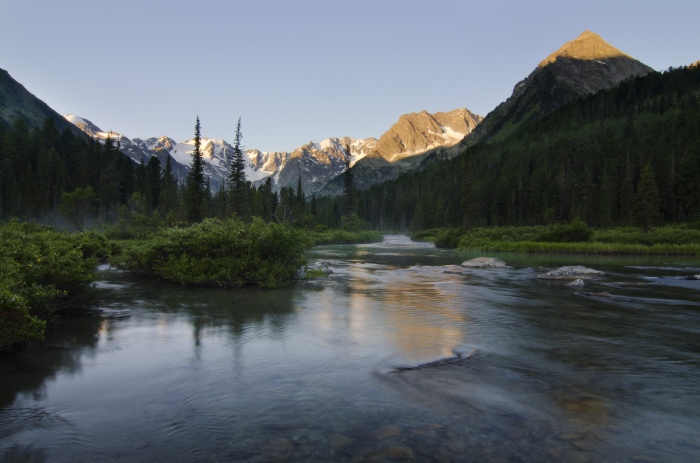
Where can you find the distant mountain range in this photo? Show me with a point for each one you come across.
(314, 163)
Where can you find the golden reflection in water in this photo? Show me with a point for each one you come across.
(103, 330)
(425, 317)
(162, 333)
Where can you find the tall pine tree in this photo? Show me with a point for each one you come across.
(194, 188)
(348, 183)
(238, 194)
(645, 210)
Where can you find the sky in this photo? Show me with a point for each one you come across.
(300, 71)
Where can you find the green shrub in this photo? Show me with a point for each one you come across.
(346, 237)
(41, 271)
(677, 235)
(215, 252)
(448, 237)
(575, 232)
(423, 234)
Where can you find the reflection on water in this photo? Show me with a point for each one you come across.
(309, 373)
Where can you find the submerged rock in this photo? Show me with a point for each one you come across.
(326, 267)
(459, 358)
(398, 453)
(693, 277)
(484, 262)
(574, 272)
(276, 450)
(452, 272)
(603, 294)
(578, 282)
(339, 442)
(302, 273)
(386, 432)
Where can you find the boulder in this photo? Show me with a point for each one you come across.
(575, 272)
(693, 277)
(578, 282)
(326, 267)
(484, 262)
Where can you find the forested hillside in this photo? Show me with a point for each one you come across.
(41, 168)
(37, 166)
(584, 161)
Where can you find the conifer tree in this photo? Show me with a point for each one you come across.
(300, 199)
(168, 192)
(237, 182)
(194, 188)
(466, 200)
(646, 201)
(348, 183)
(313, 205)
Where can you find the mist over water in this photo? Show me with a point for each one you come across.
(312, 372)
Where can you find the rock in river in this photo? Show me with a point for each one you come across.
(603, 294)
(578, 282)
(574, 272)
(693, 277)
(484, 262)
(326, 267)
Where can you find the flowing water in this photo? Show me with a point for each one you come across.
(316, 372)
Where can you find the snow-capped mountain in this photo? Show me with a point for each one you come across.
(135, 149)
(314, 163)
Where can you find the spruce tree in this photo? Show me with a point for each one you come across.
(348, 184)
(194, 188)
(238, 197)
(646, 201)
(168, 192)
(466, 200)
(300, 198)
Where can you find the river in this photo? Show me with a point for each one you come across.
(314, 372)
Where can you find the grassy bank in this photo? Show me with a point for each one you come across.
(573, 238)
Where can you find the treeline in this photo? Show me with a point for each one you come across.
(38, 165)
(44, 172)
(585, 160)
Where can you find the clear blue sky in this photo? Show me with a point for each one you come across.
(296, 71)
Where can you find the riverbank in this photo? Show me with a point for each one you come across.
(570, 239)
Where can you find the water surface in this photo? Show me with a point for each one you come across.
(310, 373)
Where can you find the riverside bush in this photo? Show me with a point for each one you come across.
(41, 271)
(575, 232)
(215, 252)
(677, 235)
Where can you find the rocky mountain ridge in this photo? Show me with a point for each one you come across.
(315, 163)
(580, 67)
(17, 102)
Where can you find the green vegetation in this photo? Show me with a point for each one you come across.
(41, 271)
(574, 238)
(321, 236)
(215, 252)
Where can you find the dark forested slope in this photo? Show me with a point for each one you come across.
(583, 160)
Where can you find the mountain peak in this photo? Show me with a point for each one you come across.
(588, 46)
